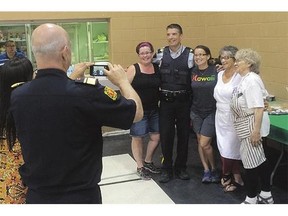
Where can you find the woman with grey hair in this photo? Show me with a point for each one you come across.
(227, 140)
(248, 107)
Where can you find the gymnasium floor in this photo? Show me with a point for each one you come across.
(119, 176)
(121, 185)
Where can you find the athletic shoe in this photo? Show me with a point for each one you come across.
(215, 178)
(151, 167)
(206, 177)
(143, 174)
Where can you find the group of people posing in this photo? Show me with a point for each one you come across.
(163, 94)
(225, 101)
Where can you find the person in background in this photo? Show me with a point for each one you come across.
(12, 190)
(58, 122)
(175, 61)
(204, 79)
(227, 139)
(11, 52)
(248, 106)
(144, 78)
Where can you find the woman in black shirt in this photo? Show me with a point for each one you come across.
(144, 77)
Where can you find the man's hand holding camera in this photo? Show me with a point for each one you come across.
(79, 70)
(117, 75)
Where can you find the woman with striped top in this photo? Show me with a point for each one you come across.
(248, 107)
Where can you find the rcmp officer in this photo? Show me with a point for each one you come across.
(175, 63)
(58, 122)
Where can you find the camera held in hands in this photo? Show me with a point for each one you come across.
(98, 69)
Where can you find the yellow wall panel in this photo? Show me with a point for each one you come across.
(266, 32)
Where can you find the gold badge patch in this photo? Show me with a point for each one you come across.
(110, 93)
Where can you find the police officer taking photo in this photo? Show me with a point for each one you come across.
(58, 122)
(175, 61)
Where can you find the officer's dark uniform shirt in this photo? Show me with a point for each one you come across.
(58, 123)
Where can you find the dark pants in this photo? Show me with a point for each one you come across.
(252, 177)
(87, 196)
(174, 113)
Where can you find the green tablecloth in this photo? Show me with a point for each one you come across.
(279, 128)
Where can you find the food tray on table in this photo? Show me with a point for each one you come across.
(277, 111)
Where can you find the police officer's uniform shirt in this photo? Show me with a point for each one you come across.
(58, 123)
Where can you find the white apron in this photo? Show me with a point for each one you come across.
(227, 140)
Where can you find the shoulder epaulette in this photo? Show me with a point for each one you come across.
(190, 49)
(160, 50)
(87, 80)
(15, 85)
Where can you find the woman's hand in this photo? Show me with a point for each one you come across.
(256, 138)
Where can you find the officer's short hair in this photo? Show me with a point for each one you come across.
(176, 26)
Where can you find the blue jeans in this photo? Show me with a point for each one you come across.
(148, 124)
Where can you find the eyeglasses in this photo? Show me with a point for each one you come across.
(200, 55)
(225, 57)
(145, 53)
(11, 46)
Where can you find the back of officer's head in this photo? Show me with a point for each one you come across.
(50, 44)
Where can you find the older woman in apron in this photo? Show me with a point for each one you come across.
(248, 107)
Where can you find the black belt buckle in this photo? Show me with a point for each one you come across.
(174, 93)
(179, 92)
(171, 96)
(167, 96)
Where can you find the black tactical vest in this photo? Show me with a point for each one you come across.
(175, 73)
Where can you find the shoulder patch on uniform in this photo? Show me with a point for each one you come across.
(110, 93)
(15, 85)
(87, 80)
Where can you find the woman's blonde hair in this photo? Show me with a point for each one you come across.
(251, 57)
